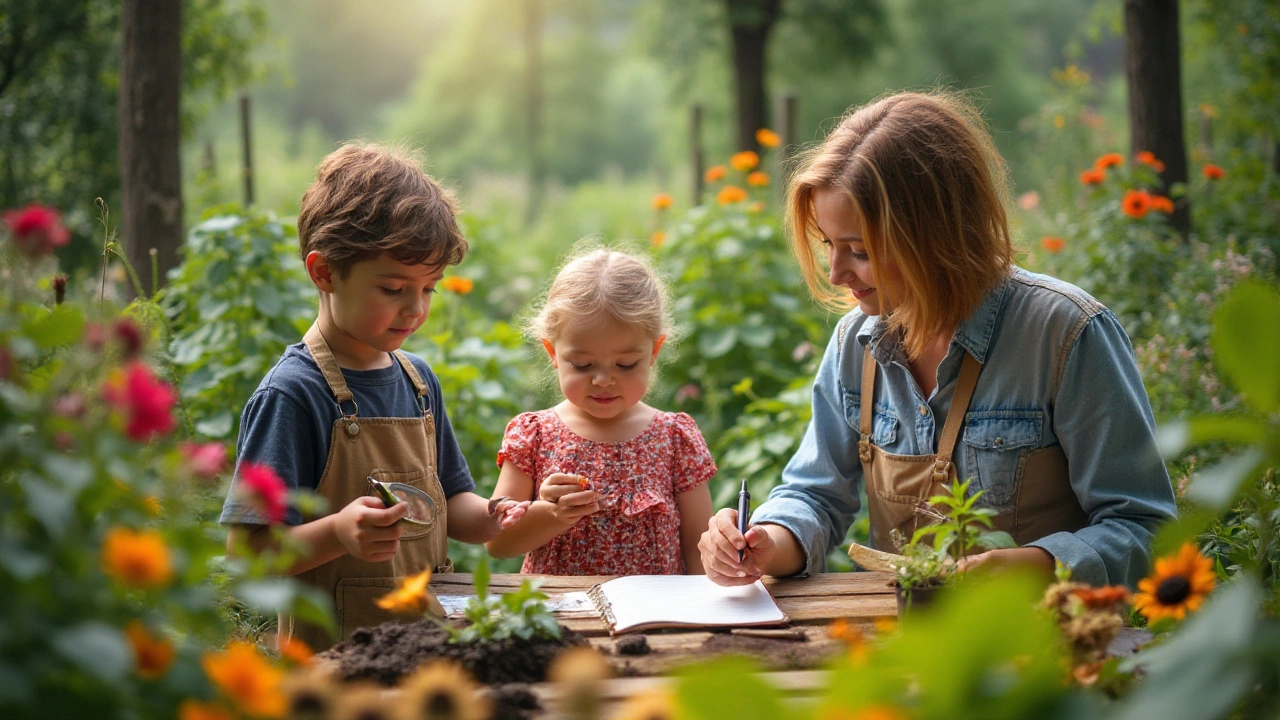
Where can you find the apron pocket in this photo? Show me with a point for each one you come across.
(356, 603)
(884, 426)
(424, 480)
(996, 445)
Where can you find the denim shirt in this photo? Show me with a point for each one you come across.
(1058, 369)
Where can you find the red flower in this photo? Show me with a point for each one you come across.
(263, 488)
(1213, 172)
(1162, 203)
(36, 230)
(1136, 204)
(130, 336)
(1093, 176)
(1148, 158)
(1053, 244)
(1109, 160)
(146, 401)
(1102, 598)
(205, 459)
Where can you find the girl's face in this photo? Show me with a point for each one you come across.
(603, 366)
(842, 234)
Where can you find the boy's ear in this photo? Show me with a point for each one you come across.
(551, 351)
(657, 345)
(320, 270)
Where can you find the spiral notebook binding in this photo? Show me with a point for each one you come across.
(602, 606)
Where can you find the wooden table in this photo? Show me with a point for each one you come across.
(812, 603)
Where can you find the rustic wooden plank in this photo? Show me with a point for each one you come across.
(853, 583)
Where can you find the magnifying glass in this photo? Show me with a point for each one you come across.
(422, 509)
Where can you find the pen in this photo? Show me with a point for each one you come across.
(744, 509)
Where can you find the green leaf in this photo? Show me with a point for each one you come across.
(15, 686)
(1189, 524)
(267, 596)
(481, 578)
(996, 539)
(1217, 487)
(716, 342)
(727, 688)
(61, 326)
(1174, 438)
(315, 607)
(1246, 343)
(215, 426)
(50, 505)
(97, 648)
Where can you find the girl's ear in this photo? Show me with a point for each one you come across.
(657, 345)
(551, 351)
(320, 270)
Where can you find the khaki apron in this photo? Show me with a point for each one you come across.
(899, 486)
(405, 450)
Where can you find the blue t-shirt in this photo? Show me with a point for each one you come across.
(288, 424)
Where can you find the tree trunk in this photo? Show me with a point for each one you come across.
(750, 22)
(1153, 66)
(533, 99)
(150, 134)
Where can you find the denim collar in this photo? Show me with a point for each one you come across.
(973, 334)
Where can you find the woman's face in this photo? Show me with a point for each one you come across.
(843, 236)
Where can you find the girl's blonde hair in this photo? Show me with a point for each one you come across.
(598, 284)
(930, 190)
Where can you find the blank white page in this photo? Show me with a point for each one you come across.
(688, 600)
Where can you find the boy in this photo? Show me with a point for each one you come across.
(376, 234)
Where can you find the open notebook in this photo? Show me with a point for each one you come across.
(641, 602)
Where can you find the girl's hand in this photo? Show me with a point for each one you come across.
(719, 548)
(570, 497)
(559, 485)
(505, 512)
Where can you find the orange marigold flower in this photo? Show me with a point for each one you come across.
(1093, 176)
(755, 208)
(662, 201)
(458, 285)
(139, 559)
(758, 179)
(196, 710)
(767, 138)
(1213, 172)
(246, 677)
(730, 194)
(411, 597)
(1136, 204)
(153, 654)
(715, 173)
(1052, 244)
(657, 238)
(1162, 203)
(1178, 586)
(1113, 159)
(744, 161)
(294, 650)
(1103, 597)
(1148, 158)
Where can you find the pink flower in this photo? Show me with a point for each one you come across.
(71, 405)
(261, 487)
(146, 401)
(207, 460)
(688, 391)
(36, 230)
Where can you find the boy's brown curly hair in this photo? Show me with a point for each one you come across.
(369, 199)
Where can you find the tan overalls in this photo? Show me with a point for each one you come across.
(405, 449)
(897, 485)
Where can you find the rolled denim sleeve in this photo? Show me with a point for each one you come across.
(1104, 421)
(818, 496)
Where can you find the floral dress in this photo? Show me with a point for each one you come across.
(637, 530)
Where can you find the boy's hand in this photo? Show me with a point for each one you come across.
(368, 530)
(505, 512)
(571, 497)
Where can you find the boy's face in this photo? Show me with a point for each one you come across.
(375, 308)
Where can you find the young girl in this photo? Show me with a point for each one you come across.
(950, 363)
(619, 488)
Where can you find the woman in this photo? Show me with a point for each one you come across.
(953, 363)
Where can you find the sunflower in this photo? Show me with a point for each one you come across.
(442, 690)
(309, 695)
(1177, 587)
(411, 597)
(578, 673)
(650, 705)
(365, 702)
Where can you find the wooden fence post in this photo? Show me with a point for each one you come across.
(695, 144)
(248, 150)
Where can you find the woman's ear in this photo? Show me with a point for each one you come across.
(320, 270)
(551, 351)
(657, 345)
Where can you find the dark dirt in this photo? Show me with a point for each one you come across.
(773, 654)
(631, 645)
(386, 653)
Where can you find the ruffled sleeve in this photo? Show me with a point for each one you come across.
(520, 442)
(693, 464)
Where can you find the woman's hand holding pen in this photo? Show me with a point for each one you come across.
(720, 544)
(570, 496)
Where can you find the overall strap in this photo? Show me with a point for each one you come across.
(416, 378)
(864, 411)
(968, 380)
(328, 366)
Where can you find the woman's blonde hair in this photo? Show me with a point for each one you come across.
(930, 190)
(599, 283)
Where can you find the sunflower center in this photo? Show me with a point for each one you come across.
(309, 705)
(441, 705)
(1173, 590)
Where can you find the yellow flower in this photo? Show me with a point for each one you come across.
(1059, 122)
(153, 654)
(851, 636)
(662, 201)
(411, 597)
(152, 504)
(648, 705)
(715, 173)
(247, 678)
(139, 559)
(758, 179)
(459, 285)
(657, 238)
(730, 194)
(196, 710)
(440, 690)
(744, 161)
(1178, 586)
(368, 702)
(767, 138)
(309, 695)
(755, 208)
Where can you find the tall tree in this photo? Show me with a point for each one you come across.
(1153, 66)
(750, 22)
(150, 132)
